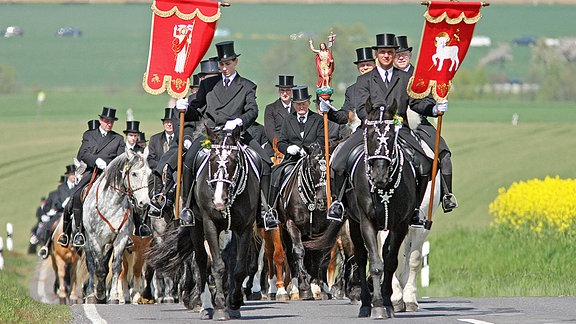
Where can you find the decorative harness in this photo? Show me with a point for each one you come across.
(128, 192)
(381, 196)
(236, 181)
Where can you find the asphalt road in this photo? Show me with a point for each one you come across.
(432, 310)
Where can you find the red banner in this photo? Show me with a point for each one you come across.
(447, 34)
(181, 33)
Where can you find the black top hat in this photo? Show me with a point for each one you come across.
(285, 81)
(168, 113)
(209, 66)
(385, 41)
(141, 138)
(108, 113)
(403, 44)
(132, 126)
(70, 169)
(364, 54)
(300, 94)
(226, 51)
(93, 124)
(195, 81)
(62, 179)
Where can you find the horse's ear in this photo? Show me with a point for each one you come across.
(76, 163)
(236, 133)
(145, 154)
(209, 132)
(129, 154)
(308, 149)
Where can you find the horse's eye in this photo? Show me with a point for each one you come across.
(133, 174)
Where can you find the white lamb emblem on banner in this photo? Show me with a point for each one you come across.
(444, 52)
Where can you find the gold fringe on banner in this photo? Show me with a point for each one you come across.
(431, 88)
(452, 21)
(181, 15)
(167, 80)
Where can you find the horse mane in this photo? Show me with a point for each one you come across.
(114, 171)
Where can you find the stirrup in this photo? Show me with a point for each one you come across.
(43, 253)
(449, 197)
(63, 239)
(146, 229)
(187, 218)
(416, 221)
(78, 240)
(335, 204)
(270, 214)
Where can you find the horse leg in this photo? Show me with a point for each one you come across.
(279, 257)
(299, 253)
(361, 256)
(117, 261)
(239, 273)
(60, 268)
(269, 255)
(391, 248)
(218, 269)
(123, 289)
(414, 263)
(90, 264)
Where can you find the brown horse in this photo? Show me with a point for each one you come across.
(132, 270)
(64, 260)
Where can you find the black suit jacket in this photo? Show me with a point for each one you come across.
(290, 132)
(95, 146)
(216, 104)
(63, 193)
(274, 116)
(156, 148)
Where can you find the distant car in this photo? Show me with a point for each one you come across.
(69, 32)
(524, 41)
(13, 31)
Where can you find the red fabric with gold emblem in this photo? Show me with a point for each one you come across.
(181, 33)
(447, 34)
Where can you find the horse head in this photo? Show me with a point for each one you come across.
(380, 139)
(129, 175)
(226, 166)
(314, 167)
(81, 167)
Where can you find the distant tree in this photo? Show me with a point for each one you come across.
(554, 69)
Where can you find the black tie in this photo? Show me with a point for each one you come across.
(170, 137)
(386, 83)
(226, 82)
(301, 123)
(103, 134)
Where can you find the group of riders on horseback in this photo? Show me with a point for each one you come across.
(226, 101)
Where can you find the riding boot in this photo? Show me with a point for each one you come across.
(270, 216)
(170, 187)
(186, 214)
(78, 240)
(157, 200)
(447, 203)
(420, 193)
(336, 209)
(64, 237)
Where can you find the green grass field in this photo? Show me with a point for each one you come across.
(104, 68)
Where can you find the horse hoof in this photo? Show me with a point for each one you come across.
(206, 313)
(196, 309)
(62, 300)
(295, 296)
(254, 296)
(168, 300)
(91, 300)
(272, 296)
(220, 315)
(410, 307)
(234, 313)
(364, 311)
(282, 297)
(381, 313)
(114, 301)
(306, 295)
(399, 306)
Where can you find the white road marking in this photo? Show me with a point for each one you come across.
(473, 321)
(92, 314)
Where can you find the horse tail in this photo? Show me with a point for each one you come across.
(326, 240)
(176, 246)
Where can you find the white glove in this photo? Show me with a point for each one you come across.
(293, 149)
(441, 107)
(325, 106)
(51, 212)
(187, 143)
(65, 202)
(101, 164)
(231, 124)
(45, 218)
(182, 104)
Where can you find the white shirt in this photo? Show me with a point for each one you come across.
(231, 78)
(382, 73)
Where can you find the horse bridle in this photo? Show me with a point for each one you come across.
(306, 185)
(236, 182)
(128, 192)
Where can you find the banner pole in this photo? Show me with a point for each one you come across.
(179, 168)
(428, 222)
(327, 157)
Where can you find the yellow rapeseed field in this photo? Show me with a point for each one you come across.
(538, 205)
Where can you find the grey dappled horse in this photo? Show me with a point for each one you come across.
(119, 191)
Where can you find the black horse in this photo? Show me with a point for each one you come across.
(302, 208)
(383, 198)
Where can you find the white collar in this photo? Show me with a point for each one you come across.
(382, 72)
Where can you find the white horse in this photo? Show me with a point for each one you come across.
(444, 52)
(121, 188)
